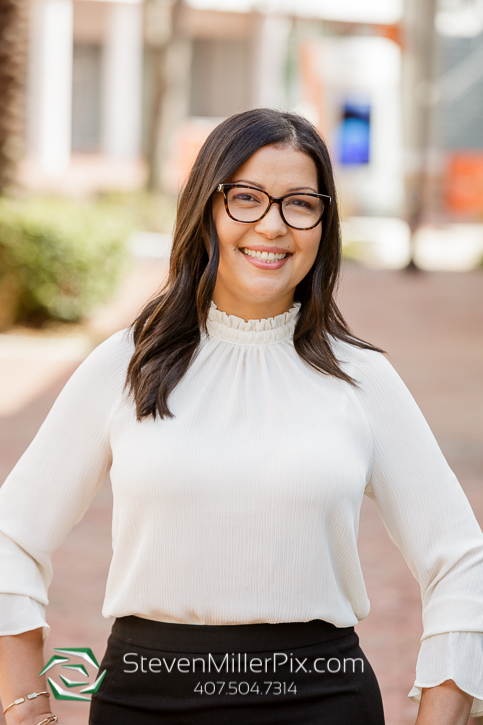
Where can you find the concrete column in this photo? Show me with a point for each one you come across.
(270, 58)
(122, 82)
(175, 105)
(419, 97)
(51, 84)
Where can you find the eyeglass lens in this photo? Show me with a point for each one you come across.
(299, 210)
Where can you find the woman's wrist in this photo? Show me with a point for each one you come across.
(31, 719)
(44, 718)
(29, 713)
(21, 659)
(444, 704)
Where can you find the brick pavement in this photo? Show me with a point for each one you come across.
(431, 325)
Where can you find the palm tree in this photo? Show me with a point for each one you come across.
(13, 65)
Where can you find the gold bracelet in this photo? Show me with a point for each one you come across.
(51, 718)
(19, 701)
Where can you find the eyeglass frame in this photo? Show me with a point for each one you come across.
(272, 200)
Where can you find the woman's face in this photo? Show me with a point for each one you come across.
(246, 286)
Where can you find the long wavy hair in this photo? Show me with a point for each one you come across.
(167, 331)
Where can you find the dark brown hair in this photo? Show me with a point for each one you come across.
(167, 331)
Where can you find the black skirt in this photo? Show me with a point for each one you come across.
(294, 673)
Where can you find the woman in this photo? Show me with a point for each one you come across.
(242, 422)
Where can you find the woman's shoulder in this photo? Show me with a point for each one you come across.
(116, 348)
(107, 364)
(352, 357)
(377, 380)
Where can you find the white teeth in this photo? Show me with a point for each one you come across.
(268, 257)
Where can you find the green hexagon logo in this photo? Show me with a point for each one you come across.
(74, 670)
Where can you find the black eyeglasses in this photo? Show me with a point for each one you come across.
(247, 204)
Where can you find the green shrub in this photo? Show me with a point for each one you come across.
(58, 259)
(151, 212)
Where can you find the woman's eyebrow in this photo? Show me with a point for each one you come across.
(260, 186)
(303, 188)
(246, 181)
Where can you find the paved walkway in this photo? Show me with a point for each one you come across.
(431, 324)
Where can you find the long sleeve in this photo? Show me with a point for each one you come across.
(453, 656)
(53, 483)
(428, 517)
(19, 612)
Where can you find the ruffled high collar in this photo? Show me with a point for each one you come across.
(230, 328)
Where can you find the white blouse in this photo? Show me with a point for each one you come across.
(245, 506)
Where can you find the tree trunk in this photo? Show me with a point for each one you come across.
(13, 67)
(162, 50)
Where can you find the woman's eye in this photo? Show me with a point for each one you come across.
(245, 198)
(300, 203)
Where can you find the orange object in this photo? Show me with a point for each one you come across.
(391, 32)
(464, 182)
(186, 143)
(312, 81)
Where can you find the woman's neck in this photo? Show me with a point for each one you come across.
(251, 309)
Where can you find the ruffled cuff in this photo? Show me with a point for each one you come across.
(456, 656)
(20, 613)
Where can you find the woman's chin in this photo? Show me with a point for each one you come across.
(265, 295)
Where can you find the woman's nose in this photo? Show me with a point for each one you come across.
(272, 225)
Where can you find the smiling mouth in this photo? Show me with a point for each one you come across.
(268, 257)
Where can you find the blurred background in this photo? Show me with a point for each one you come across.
(104, 106)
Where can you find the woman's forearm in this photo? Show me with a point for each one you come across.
(21, 660)
(445, 704)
